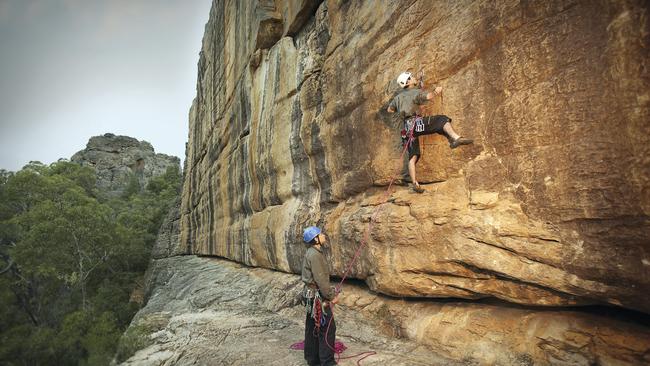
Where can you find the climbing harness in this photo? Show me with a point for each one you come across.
(412, 124)
(315, 306)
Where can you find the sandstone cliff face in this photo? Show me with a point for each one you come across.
(118, 158)
(549, 206)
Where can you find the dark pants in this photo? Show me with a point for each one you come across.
(427, 126)
(318, 349)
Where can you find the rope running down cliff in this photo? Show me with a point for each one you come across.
(364, 241)
(386, 196)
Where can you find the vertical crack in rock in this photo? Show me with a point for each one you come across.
(321, 173)
(300, 187)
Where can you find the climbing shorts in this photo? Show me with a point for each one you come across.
(426, 125)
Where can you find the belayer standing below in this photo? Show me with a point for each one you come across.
(408, 103)
(318, 296)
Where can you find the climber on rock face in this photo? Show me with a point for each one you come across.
(319, 297)
(407, 103)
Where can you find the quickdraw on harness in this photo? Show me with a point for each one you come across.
(317, 312)
(315, 307)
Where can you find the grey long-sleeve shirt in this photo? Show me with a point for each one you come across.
(315, 270)
(407, 103)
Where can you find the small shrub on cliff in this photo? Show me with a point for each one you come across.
(134, 339)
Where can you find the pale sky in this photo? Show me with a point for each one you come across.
(72, 69)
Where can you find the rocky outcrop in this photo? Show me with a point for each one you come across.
(215, 312)
(168, 240)
(550, 205)
(118, 160)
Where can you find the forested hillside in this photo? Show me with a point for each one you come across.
(72, 260)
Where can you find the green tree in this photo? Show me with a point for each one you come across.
(133, 187)
(84, 177)
(69, 261)
(66, 238)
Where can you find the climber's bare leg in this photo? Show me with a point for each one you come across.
(454, 139)
(412, 162)
(450, 131)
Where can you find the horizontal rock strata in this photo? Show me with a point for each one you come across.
(549, 206)
(215, 312)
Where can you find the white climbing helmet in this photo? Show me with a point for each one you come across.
(403, 78)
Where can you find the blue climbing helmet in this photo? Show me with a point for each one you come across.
(310, 233)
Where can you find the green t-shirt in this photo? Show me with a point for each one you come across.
(407, 102)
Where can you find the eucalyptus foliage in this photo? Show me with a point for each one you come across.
(70, 259)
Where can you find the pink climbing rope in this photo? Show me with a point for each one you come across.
(339, 347)
(363, 243)
(378, 208)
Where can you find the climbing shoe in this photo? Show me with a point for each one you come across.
(460, 141)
